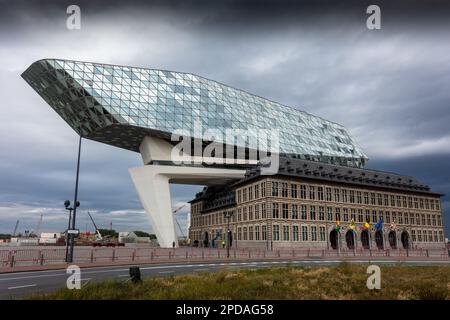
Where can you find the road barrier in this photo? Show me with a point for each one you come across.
(48, 256)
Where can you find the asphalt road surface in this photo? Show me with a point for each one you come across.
(19, 284)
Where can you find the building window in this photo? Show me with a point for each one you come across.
(428, 219)
(320, 193)
(328, 191)
(312, 213)
(352, 196)
(257, 207)
(329, 214)
(345, 210)
(264, 232)
(358, 197)
(256, 191)
(441, 236)
(302, 191)
(304, 215)
(372, 198)
(386, 200)
(436, 236)
(423, 219)
(360, 215)
(256, 232)
(263, 211)
(294, 211)
(245, 233)
(285, 211)
(239, 233)
(380, 199)
(419, 235)
(274, 189)
(286, 233)
(284, 190)
(321, 213)
(295, 233)
(322, 233)
(294, 191)
(400, 218)
(276, 232)
(406, 216)
(336, 195)
(244, 194)
(338, 214)
(416, 203)
(418, 219)
(413, 234)
(250, 213)
(250, 193)
(313, 233)
(250, 233)
(312, 193)
(344, 196)
(411, 218)
(353, 214)
(263, 189)
(275, 211)
(392, 201)
(305, 233)
(374, 216)
(366, 198)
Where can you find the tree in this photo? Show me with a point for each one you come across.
(144, 234)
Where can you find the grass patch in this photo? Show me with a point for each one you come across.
(344, 281)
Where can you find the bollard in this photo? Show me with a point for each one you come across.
(42, 258)
(113, 255)
(135, 274)
(92, 255)
(428, 254)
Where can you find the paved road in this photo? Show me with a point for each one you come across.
(20, 284)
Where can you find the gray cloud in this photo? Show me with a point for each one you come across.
(389, 87)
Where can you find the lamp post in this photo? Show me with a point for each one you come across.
(76, 204)
(228, 215)
(69, 237)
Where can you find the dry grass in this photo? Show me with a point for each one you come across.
(344, 281)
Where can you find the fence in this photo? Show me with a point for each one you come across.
(46, 256)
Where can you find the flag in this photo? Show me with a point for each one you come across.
(365, 226)
(352, 224)
(379, 225)
(338, 226)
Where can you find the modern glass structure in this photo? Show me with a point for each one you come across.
(121, 105)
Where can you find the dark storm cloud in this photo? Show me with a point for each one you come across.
(389, 87)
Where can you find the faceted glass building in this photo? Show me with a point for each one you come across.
(121, 105)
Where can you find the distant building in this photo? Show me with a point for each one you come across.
(24, 241)
(50, 238)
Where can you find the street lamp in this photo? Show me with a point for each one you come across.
(227, 215)
(70, 237)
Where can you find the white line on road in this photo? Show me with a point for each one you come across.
(123, 275)
(204, 269)
(166, 272)
(25, 286)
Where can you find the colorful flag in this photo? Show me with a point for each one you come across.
(365, 226)
(352, 225)
(338, 226)
(379, 225)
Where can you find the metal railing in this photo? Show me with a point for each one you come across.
(88, 255)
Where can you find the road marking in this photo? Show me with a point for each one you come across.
(25, 286)
(166, 272)
(123, 275)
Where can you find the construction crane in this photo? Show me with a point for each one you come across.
(176, 220)
(15, 228)
(97, 232)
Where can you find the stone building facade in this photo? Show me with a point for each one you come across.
(299, 208)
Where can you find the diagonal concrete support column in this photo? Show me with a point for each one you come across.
(152, 185)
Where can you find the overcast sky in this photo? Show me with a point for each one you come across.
(389, 87)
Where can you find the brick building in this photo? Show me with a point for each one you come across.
(299, 207)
